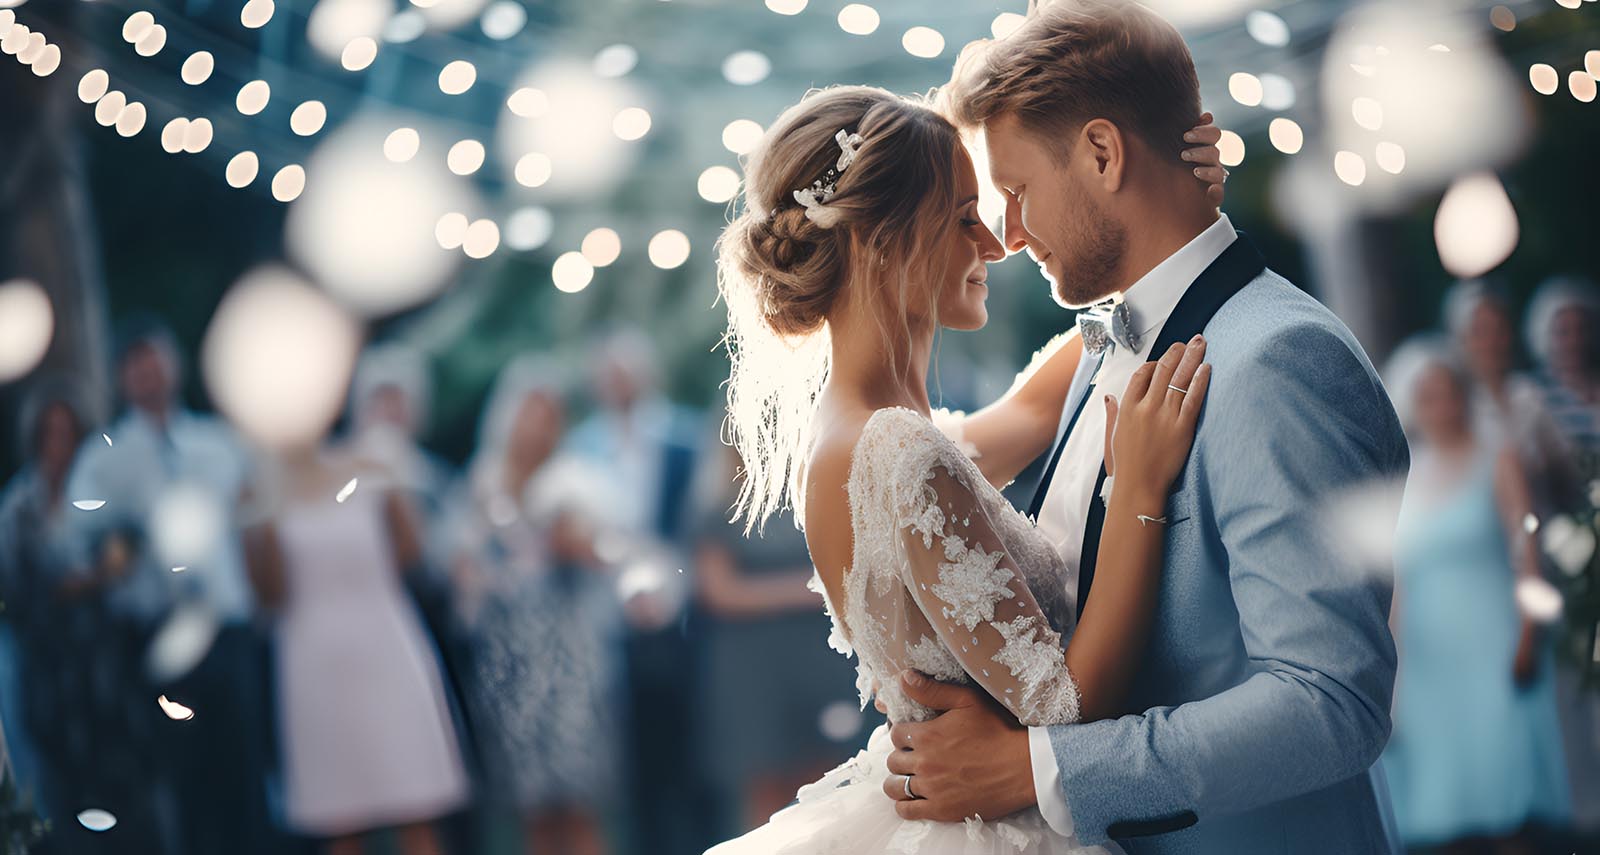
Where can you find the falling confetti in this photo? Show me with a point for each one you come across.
(180, 568)
(89, 504)
(346, 490)
(1530, 523)
(175, 710)
(96, 819)
(107, 438)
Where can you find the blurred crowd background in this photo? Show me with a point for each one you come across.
(364, 483)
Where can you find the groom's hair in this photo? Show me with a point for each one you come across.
(1077, 60)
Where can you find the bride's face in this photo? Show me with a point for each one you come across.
(969, 246)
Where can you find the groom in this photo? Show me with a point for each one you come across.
(1266, 683)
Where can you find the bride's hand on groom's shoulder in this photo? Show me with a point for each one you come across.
(1206, 158)
(1150, 431)
(971, 759)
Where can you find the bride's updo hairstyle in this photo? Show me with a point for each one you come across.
(783, 269)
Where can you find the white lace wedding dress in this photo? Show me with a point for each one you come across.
(949, 579)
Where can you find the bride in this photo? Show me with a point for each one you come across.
(859, 239)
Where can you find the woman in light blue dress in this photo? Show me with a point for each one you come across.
(1476, 749)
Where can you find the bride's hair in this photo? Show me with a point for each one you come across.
(781, 273)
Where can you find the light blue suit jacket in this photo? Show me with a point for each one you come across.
(1269, 671)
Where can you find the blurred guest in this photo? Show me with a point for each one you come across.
(40, 563)
(641, 450)
(761, 726)
(171, 480)
(86, 706)
(389, 400)
(366, 734)
(390, 396)
(545, 621)
(1561, 328)
(1507, 407)
(1475, 756)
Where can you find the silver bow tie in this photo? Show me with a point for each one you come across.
(1106, 325)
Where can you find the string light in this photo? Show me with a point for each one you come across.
(1245, 88)
(571, 272)
(858, 19)
(924, 42)
(1285, 135)
(1350, 167)
(601, 247)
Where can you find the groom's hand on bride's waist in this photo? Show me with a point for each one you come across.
(971, 759)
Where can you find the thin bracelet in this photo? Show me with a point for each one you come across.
(1145, 520)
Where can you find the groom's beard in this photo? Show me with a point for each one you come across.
(1096, 244)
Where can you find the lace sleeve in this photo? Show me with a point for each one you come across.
(969, 588)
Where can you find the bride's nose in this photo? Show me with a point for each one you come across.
(989, 247)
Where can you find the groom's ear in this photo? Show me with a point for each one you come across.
(1105, 143)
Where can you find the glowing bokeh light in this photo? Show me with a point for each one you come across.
(631, 123)
(529, 228)
(366, 228)
(615, 60)
(601, 247)
(481, 240)
(451, 230)
(1581, 85)
(197, 68)
(308, 118)
(746, 68)
(669, 249)
(401, 144)
(533, 169)
(256, 14)
(1544, 78)
(571, 272)
(858, 19)
(718, 184)
(1391, 157)
(457, 77)
(242, 169)
(465, 157)
(1286, 135)
(359, 53)
(1267, 28)
(741, 135)
(923, 42)
(289, 183)
(27, 323)
(93, 85)
(1006, 23)
(529, 103)
(1245, 88)
(1231, 148)
(253, 97)
(1476, 227)
(277, 358)
(1350, 167)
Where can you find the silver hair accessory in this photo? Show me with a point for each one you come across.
(815, 198)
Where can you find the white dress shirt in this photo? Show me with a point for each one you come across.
(1066, 505)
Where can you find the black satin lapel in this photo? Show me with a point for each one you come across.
(1234, 268)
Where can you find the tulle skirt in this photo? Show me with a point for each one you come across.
(846, 811)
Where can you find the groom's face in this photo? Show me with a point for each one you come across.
(1054, 212)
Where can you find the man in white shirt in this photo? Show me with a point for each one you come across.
(1268, 674)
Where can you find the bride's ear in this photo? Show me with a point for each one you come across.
(1106, 145)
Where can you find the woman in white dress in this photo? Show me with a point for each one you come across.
(366, 736)
(858, 241)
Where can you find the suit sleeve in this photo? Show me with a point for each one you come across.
(1300, 420)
